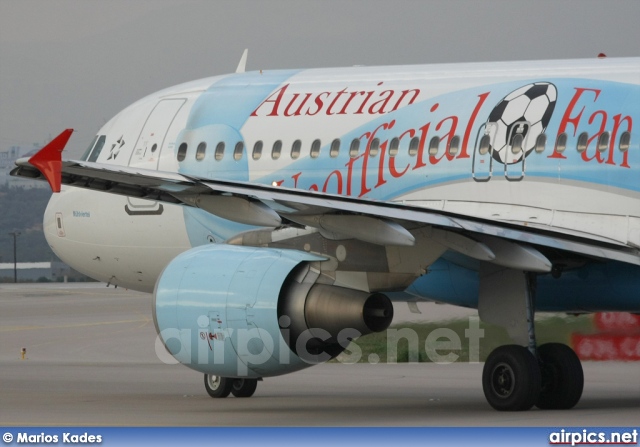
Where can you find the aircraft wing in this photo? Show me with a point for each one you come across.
(383, 222)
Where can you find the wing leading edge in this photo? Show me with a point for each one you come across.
(334, 216)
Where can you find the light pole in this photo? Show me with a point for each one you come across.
(15, 234)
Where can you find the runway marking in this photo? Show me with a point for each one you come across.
(69, 326)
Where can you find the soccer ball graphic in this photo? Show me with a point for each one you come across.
(525, 111)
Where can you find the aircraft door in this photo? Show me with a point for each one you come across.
(482, 165)
(146, 152)
(515, 151)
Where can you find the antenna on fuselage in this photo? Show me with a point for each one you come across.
(242, 65)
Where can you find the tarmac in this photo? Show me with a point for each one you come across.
(91, 360)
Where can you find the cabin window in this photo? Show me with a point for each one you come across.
(625, 141)
(276, 149)
(257, 150)
(603, 141)
(484, 144)
(95, 153)
(454, 146)
(219, 151)
(295, 149)
(154, 147)
(561, 142)
(201, 150)
(98, 148)
(315, 148)
(238, 151)
(434, 145)
(516, 143)
(541, 143)
(583, 139)
(413, 146)
(393, 147)
(354, 148)
(335, 148)
(182, 151)
(88, 151)
(374, 147)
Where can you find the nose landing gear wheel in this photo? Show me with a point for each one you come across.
(244, 387)
(511, 378)
(562, 377)
(217, 386)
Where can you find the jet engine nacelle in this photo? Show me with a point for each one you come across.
(246, 312)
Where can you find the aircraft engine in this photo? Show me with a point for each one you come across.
(237, 311)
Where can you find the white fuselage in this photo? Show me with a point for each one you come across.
(590, 189)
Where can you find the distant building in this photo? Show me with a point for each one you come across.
(33, 271)
(8, 161)
(27, 271)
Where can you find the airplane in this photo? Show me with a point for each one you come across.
(276, 214)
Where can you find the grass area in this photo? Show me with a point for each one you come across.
(448, 342)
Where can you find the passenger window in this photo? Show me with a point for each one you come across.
(238, 151)
(219, 151)
(581, 145)
(295, 149)
(541, 143)
(374, 147)
(182, 152)
(603, 141)
(355, 148)
(516, 144)
(154, 147)
(434, 144)
(413, 146)
(335, 148)
(200, 151)
(625, 141)
(561, 142)
(393, 147)
(98, 148)
(315, 148)
(277, 148)
(454, 146)
(88, 151)
(257, 150)
(484, 144)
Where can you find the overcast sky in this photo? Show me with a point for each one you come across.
(76, 63)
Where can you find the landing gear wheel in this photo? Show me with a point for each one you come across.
(562, 377)
(217, 386)
(244, 387)
(511, 378)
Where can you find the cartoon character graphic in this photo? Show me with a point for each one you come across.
(518, 119)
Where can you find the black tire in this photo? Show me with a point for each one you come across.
(562, 377)
(511, 379)
(244, 387)
(216, 386)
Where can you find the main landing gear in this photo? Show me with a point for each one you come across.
(515, 377)
(514, 380)
(218, 387)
